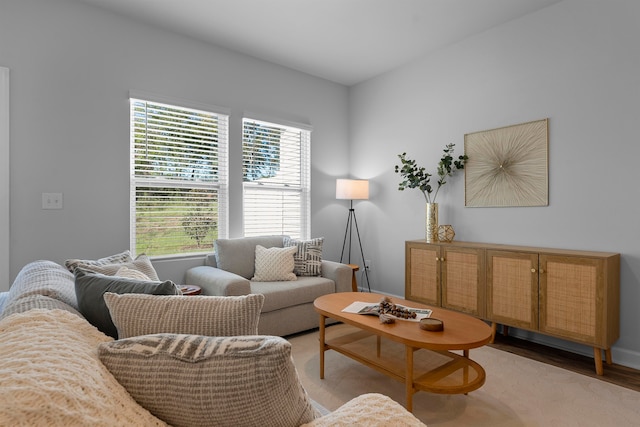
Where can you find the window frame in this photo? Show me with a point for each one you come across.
(221, 185)
(304, 189)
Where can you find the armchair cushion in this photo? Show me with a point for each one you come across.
(239, 255)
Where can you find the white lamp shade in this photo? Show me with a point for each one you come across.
(352, 189)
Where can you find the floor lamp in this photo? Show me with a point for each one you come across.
(353, 189)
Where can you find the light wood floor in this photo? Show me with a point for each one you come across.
(615, 374)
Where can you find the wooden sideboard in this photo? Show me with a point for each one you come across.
(568, 294)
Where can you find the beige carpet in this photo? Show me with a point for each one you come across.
(517, 392)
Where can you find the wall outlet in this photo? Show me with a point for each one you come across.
(367, 264)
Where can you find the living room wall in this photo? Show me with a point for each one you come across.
(575, 63)
(72, 66)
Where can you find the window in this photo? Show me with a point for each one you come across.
(276, 179)
(178, 178)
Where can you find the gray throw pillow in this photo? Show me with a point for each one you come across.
(135, 314)
(194, 380)
(90, 288)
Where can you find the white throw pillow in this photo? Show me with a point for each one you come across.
(274, 264)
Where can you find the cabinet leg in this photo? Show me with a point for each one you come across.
(607, 355)
(597, 357)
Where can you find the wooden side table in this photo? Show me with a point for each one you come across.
(354, 281)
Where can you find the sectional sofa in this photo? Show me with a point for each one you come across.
(58, 369)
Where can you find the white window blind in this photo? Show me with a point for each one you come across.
(276, 179)
(178, 178)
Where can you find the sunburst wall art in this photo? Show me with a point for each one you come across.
(508, 166)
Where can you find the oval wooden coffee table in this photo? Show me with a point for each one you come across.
(436, 370)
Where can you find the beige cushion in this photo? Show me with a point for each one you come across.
(44, 278)
(274, 264)
(308, 257)
(130, 273)
(371, 410)
(50, 375)
(192, 380)
(137, 314)
(142, 264)
(120, 258)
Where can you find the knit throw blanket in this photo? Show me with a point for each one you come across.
(50, 375)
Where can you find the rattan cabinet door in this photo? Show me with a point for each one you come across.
(571, 296)
(422, 273)
(512, 288)
(463, 280)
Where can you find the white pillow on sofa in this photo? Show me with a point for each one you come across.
(274, 264)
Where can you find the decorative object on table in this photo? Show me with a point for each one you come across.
(386, 319)
(352, 189)
(389, 308)
(509, 166)
(417, 177)
(431, 324)
(446, 233)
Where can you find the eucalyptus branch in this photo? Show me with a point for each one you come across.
(417, 177)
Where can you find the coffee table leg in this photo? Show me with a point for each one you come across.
(322, 318)
(409, 377)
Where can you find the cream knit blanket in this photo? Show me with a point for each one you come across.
(50, 375)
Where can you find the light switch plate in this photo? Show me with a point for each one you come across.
(51, 200)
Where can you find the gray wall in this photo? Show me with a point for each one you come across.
(72, 66)
(576, 63)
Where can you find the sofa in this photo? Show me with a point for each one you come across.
(288, 303)
(59, 369)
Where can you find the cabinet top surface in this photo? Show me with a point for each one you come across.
(503, 247)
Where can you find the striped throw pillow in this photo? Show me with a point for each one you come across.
(240, 381)
(308, 258)
(138, 314)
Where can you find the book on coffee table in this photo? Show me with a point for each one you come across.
(359, 307)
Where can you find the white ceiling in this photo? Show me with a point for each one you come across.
(345, 41)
